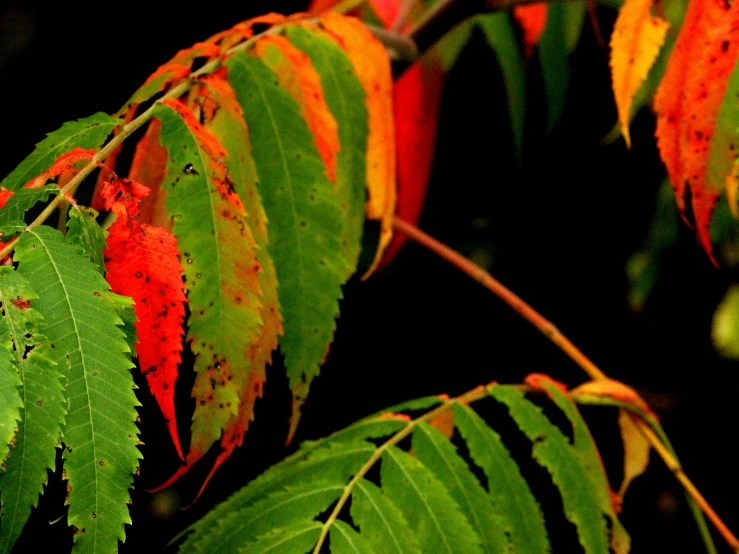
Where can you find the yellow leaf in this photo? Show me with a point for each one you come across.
(636, 40)
(636, 451)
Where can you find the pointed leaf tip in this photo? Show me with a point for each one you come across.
(143, 262)
(635, 43)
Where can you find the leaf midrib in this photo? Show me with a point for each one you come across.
(88, 405)
(411, 480)
(361, 487)
(291, 199)
(455, 475)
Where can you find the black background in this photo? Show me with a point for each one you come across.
(558, 230)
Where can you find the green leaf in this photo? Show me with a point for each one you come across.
(380, 521)
(722, 153)
(450, 46)
(415, 405)
(280, 509)
(498, 31)
(555, 64)
(370, 428)
(316, 462)
(123, 306)
(345, 540)
(305, 220)
(43, 402)
(587, 451)
(573, 19)
(86, 133)
(100, 433)
(440, 456)
(552, 450)
(12, 214)
(299, 537)
(220, 265)
(84, 231)
(10, 399)
(346, 101)
(725, 329)
(511, 495)
(10, 402)
(644, 267)
(433, 515)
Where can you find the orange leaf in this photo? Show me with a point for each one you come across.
(372, 65)
(245, 30)
(616, 390)
(142, 262)
(444, 423)
(301, 80)
(636, 451)
(688, 101)
(635, 43)
(533, 20)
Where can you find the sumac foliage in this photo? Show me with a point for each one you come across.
(234, 195)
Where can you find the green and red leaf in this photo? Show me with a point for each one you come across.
(221, 269)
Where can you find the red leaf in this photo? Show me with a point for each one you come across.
(416, 100)
(533, 20)
(688, 101)
(142, 262)
(63, 164)
(4, 195)
(149, 167)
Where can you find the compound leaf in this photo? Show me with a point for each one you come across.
(100, 433)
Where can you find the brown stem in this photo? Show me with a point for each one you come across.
(554, 335)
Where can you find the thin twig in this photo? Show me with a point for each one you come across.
(500, 290)
(477, 393)
(554, 335)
